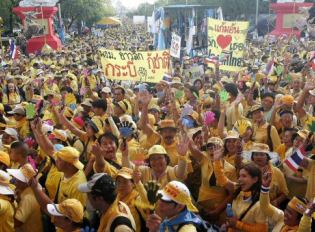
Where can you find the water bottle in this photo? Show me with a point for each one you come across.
(229, 211)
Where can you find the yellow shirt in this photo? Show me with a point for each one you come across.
(253, 216)
(6, 215)
(130, 201)
(23, 128)
(310, 189)
(147, 175)
(260, 135)
(278, 183)
(233, 114)
(281, 150)
(69, 188)
(117, 209)
(52, 181)
(276, 217)
(28, 212)
(213, 193)
(14, 98)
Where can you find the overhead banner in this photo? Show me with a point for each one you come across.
(175, 46)
(227, 39)
(135, 66)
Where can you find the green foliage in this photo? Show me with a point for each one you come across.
(8, 17)
(89, 11)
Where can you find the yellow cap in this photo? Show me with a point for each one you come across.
(303, 133)
(70, 208)
(232, 134)
(70, 155)
(167, 123)
(5, 158)
(178, 192)
(260, 147)
(123, 105)
(125, 173)
(297, 205)
(215, 141)
(60, 134)
(157, 149)
(288, 100)
(68, 113)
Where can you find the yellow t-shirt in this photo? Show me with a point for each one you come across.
(52, 181)
(261, 136)
(147, 175)
(28, 212)
(213, 193)
(253, 216)
(6, 215)
(69, 188)
(278, 183)
(23, 128)
(117, 209)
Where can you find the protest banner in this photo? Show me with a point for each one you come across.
(135, 66)
(195, 72)
(175, 46)
(227, 39)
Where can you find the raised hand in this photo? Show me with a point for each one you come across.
(96, 149)
(266, 177)
(136, 176)
(145, 98)
(217, 153)
(183, 144)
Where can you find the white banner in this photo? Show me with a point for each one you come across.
(175, 46)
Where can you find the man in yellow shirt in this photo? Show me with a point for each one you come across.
(6, 203)
(22, 123)
(28, 216)
(115, 215)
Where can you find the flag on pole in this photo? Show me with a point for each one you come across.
(14, 52)
(295, 160)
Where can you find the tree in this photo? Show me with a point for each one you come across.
(88, 11)
(6, 13)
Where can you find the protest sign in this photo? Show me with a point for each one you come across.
(195, 72)
(135, 66)
(227, 38)
(175, 46)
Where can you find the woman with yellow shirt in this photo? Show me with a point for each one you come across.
(246, 211)
(263, 131)
(260, 155)
(11, 95)
(212, 198)
(230, 147)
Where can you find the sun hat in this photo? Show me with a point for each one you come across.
(216, 141)
(232, 134)
(70, 208)
(178, 192)
(70, 155)
(5, 187)
(106, 90)
(24, 173)
(157, 149)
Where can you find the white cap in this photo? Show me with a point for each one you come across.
(4, 184)
(87, 187)
(106, 90)
(47, 128)
(312, 92)
(18, 110)
(12, 132)
(53, 210)
(180, 186)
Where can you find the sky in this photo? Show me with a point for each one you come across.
(133, 4)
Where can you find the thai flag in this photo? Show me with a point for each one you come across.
(212, 60)
(295, 160)
(14, 52)
(269, 67)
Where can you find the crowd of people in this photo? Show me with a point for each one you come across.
(81, 152)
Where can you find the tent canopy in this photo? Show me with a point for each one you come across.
(109, 21)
